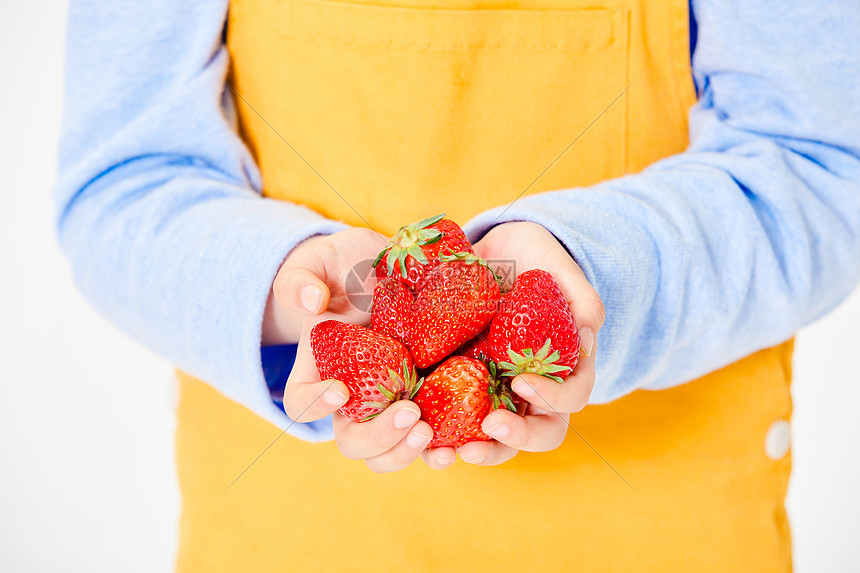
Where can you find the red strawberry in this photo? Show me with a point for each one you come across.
(477, 347)
(534, 330)
(456, 398)
(392, 305)
(414, 251)
(377, 369)
(456, 302)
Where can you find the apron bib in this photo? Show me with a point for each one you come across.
(411, 108)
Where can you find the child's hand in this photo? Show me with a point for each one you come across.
(311, 282)
(545, 424)
(308, 289)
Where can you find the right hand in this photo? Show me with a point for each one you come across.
(543, 428)
(308, 289)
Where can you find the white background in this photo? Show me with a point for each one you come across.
(86, 420)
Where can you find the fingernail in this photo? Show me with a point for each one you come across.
(476, 460)
(444, 461)
(311, 298)
(334, 397)
(586, 340)
(522, 388)
(499, 431)
(405, 418)
(416, 439)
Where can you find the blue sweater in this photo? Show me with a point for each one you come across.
(703, 258)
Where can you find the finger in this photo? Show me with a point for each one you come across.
(538, 431)
(312, 401)
(300, 288)
(299, 284)
(568, 397)
(306, 397)
(487, 453)
(585, 304)
(404, 452)
(439, 458)
(362, 440)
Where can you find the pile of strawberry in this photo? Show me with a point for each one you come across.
(438, 312)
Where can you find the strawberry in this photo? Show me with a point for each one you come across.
(392, 305)
(477, 347)
(534, 330)
(456, 397)
(456, 301)
(377, 369)
(414, 251)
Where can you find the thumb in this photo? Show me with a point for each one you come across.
(299, 288)
(585, 304)
(306, 397)
(589, 314)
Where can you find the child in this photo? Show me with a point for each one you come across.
(706, 254)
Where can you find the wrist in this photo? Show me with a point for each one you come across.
(280, 325)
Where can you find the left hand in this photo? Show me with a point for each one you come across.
(545, 423)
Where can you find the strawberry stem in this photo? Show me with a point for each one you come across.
(405, 388)
(499, 390)
(469, 259)
(540, 362)
(428, 221)
(408, 242)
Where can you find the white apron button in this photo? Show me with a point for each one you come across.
(778, 439)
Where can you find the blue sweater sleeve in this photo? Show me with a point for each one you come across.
(754, 230)
(158, 201)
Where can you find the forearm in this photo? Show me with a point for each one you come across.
(184, 264)
(693, 279)
(159, 207)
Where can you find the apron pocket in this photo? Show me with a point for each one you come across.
(456, 110)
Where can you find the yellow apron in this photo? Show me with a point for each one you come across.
(410, 108)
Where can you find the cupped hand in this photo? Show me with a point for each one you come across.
(311, 286)
(544, 426)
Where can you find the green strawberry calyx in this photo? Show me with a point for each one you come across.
(408, 242)
(469, 259)
(405, 387)
(540, 362)
(499, 390)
